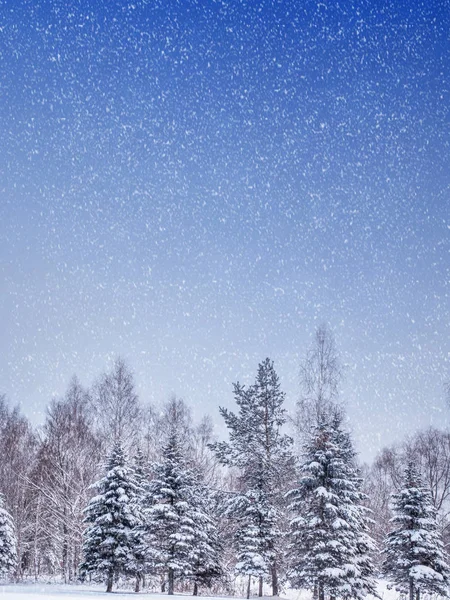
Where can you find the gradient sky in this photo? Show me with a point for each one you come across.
(196, 185)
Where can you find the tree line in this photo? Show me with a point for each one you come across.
(109, 490)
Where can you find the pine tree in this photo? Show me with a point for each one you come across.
(109, 546)
(259, 449)
(8, 543)
(255, 534)
(330, 546)
(168, 519)
(207, 548)
(138, 534)
(181, 534)
(415, 560)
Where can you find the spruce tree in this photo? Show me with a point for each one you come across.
(138, 534)
(415, 560)
(182, 536)
(168, 517)
(330, 546)
(8, 542)
(109, 539)
(207, 548)
(255, 534)
(261, 452)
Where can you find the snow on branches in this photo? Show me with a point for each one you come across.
(415, 560)
(330, 547)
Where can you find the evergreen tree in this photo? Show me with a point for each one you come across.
(415, 560)
(259, 449)
(207, 547)
(138, 534)
(330, 546)
(181, 534)
(168, 519)
(109, 545)
(255, 534)
(8, 544)
(139, 472)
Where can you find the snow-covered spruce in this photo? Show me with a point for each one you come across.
(113, 520)
(8, 543)
(182, 537)
(256, 534)
(415, 560)
(330, 547)
(138, 534)
(261, 452)
(207, 552)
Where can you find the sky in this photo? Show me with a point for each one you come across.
(196, 185)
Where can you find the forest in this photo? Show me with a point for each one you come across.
(127, 494)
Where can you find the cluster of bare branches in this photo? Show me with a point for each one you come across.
(429, 450)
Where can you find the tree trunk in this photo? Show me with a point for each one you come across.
(75, 561)
(195, 592)
(274, 572)
(260, 587)
(316, 591)
(35, 562)
(417, 594)
(70, 572)
(65, 549)
(35, 541)
(411, 588)
(171, 581)
(109, 583)
(137, 583)
(248, 586)
(320, 592)
(163, 585)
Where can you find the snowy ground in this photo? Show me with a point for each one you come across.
(74, 592)
(66, 592)
(69, 592)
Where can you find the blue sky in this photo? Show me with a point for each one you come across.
(198, 185)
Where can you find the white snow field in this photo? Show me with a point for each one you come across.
(73, 592)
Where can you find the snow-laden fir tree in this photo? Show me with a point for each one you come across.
(181, 534)
(261, 452)
(207, 547)
(330, 545)
(415, 560)
(8, 542)
(138, 535)
(255, 534)
(111, 516)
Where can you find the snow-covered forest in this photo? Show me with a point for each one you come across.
(116, 491)
(188, 190)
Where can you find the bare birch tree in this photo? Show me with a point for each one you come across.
(320, 377)
(116, 406)
(67, 466)
(18, 445)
